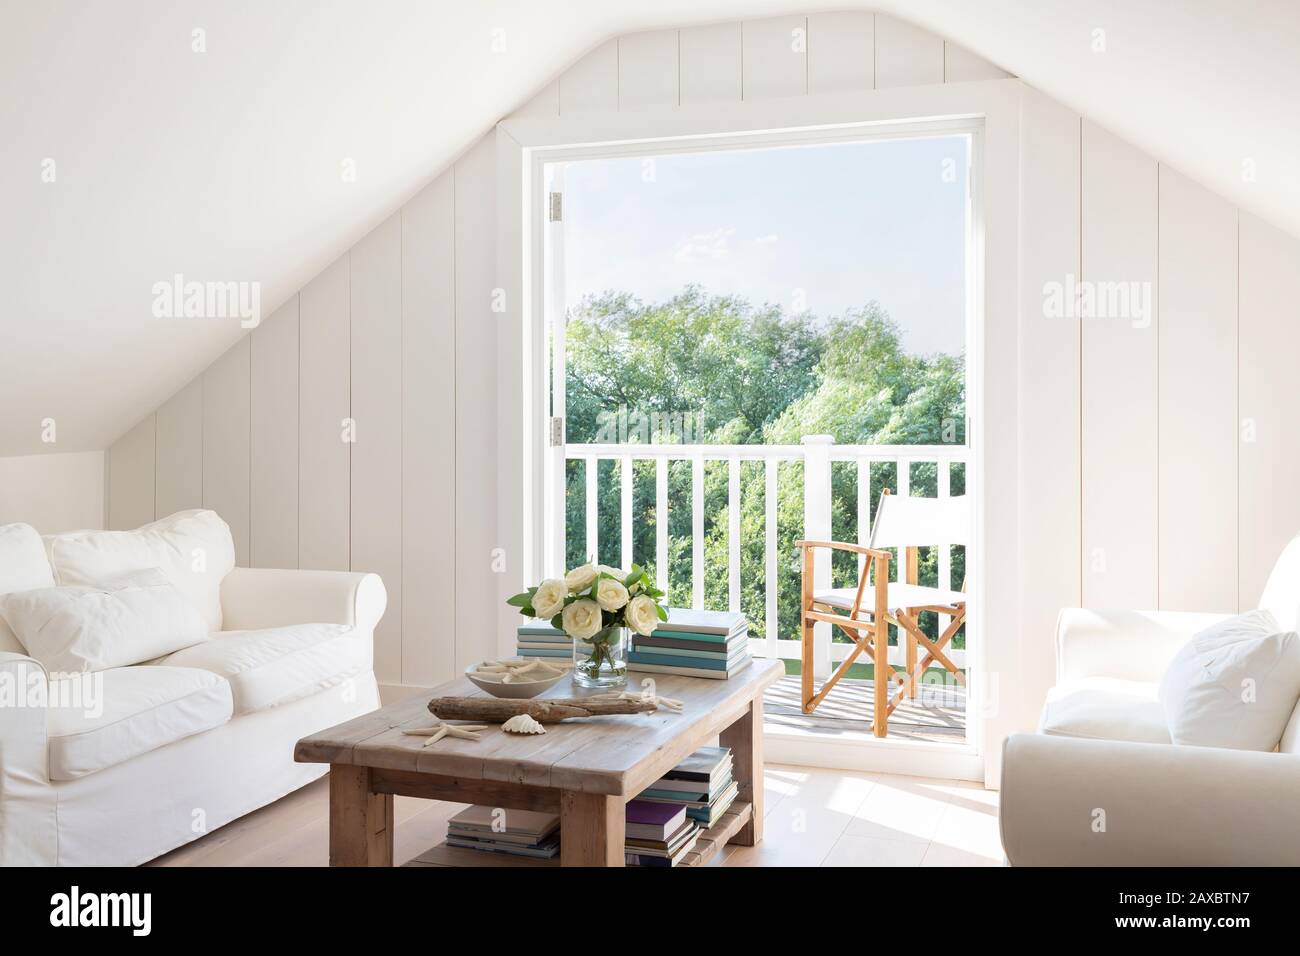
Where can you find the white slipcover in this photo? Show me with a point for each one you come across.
(144, 708)
(276, 666)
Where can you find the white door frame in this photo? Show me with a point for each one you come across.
(525, 144)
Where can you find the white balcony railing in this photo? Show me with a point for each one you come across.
(816, 453)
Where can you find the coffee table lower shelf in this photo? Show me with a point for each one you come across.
(707, 847)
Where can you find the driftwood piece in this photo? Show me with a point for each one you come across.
(553, 711)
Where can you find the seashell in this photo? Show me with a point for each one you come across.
(523, 724)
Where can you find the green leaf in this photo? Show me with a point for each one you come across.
(523, 599)
(557, 622)
(661, 612)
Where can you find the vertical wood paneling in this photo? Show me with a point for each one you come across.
(428, 431)
(1270, 441)
(1120, 357)
(179, 452)
(841, 52)
(774, 60)
(226, 410)
(906, 55)
(710, 63)
(476, 405)
(592, 82)
(545, 103)
(377, 410)
(960, 65)
(273, 502)
(324, 396)
(131, 478)
(647, 69)
(1198, 397)
(1049, 386)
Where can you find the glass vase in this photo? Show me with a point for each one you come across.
(601, 661)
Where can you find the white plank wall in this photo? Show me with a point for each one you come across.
(273, 462)
(647, 69)
(376, 494)
(592, 82)
(961, 65)
(226, 417)
(476, 408)
(774, 57)
(906, 55)
(1049, 386)
(130, 477)
(841, 52)
(1198, 397)
(179, 452)
(710, 63)
(1270, 442)
(428, 431)
(324, 397)
(1120, 419)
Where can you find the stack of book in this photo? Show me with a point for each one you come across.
(702, 784)
(694, 643)
(541, 640)
(513, 832)
(658, 834)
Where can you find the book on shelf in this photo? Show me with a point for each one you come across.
(544, 652)
(540, 629)
(512, 832)
(654, 822)
(673, 659)
(667, 852)
(707, 763)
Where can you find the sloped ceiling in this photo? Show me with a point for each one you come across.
(227, 164)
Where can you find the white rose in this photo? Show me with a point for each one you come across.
(580, 578)
(582, 619)
(616, 572)
(642, 615)
(610, 594)
(548, 600)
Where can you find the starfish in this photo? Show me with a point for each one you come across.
(438, 731)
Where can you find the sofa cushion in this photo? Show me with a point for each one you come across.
(193, 548)
(136, 617)
(278, 665)
(142, 709)
(1105, 708)
(1234, 684)
(23, 566)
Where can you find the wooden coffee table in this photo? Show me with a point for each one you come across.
(584, 770)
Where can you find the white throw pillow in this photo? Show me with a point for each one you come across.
(193, 548)
(1234, 685)
(23, 566)
(136, 617)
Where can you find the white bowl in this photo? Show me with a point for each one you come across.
(515, 690)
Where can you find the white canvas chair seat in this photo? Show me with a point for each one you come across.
(901, 596)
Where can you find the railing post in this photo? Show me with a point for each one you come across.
(817, 527)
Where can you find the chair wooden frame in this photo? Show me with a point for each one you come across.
(870, 634)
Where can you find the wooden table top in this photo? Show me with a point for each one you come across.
(617, 754)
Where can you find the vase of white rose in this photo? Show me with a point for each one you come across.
(596, 606)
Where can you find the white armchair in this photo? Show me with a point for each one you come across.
(1101, 784)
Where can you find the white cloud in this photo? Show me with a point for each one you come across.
(704, 246)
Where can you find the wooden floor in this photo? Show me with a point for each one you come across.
(813, 818)
(938, 714)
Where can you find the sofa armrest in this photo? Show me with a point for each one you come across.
(1067, 801)
(28, 833)
(1132, 645)
(254, 598)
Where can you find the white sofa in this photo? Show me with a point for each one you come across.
(188, 742)
(1101, 784)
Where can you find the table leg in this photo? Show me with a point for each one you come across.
(745, 738)
(361, 822)
(592, 828)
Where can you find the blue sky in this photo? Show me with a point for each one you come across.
(837, 225)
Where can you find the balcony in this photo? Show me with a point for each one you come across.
(717, 523)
